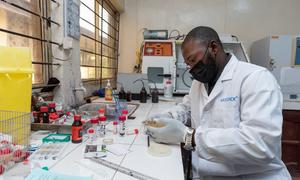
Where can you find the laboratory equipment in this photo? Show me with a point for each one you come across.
(122, 125)
(280, 55)
(101, 112)
(44, 116)
(158, 57)
(155, 34)
(168, 86)
(115, 127)
(35, 115)
(56, 138)
(102, 129)
(123, 170)
(77, 129)
(143, 92)
(92, 135)
(48, 151)
(125, 113)
(14, 138)
(132, 132)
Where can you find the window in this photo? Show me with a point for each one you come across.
(24, 23)
(99, 25)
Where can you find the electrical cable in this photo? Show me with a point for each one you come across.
(183, 80)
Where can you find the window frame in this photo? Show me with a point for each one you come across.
(45, 22)
(98, 38)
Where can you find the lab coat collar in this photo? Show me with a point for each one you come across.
(227, 74)
(229, 69)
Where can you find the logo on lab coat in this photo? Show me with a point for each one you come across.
(230, 98)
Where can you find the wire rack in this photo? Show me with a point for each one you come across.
(14, 138)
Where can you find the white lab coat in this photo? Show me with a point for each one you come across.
(238, 126)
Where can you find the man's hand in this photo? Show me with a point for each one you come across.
(172, 132)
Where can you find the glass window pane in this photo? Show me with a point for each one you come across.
(86, 13)
(88, 73)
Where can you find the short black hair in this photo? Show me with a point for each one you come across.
(204, 34)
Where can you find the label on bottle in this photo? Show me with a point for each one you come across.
(76, 133)
(108, 94)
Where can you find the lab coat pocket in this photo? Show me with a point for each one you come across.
(226, 117)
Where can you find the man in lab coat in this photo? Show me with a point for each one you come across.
(235, 110)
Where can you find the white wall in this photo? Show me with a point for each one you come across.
(250, 20)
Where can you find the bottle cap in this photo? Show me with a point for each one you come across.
(77, 117)
(136, 131)
(52, 105)
(94, 120)
(91, 131)
(101, 110)
(115, 123)
(102, 118)
(44, 109)
(122, 118)
(35, 113)
(125, 111)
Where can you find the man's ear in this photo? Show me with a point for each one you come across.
(214, 47)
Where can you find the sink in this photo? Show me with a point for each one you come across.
(92, 108)
(87, 111)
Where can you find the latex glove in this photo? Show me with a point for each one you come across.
(173, 132)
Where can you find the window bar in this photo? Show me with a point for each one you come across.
(99, 42)
(27, 36)
(96, 34)
(46, 63)
(117, 57)
(113, 9)
(58, 4)
(24, 9)
(98, 54)
(99, 29)
(101, 80)
(101, 17)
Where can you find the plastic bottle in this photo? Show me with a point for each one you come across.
(122, 125)
(102, 129)
(44, 116)
(101, 112)
(52, 107)
(35, 117)
(128, 96)
(168, 86)
(108, 91)
(115, 127)
(143, 95)
(122, 93)
(94, 122)
(77, 129)
(92, 135)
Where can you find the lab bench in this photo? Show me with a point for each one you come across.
(72, 161)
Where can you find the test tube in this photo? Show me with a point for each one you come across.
(122, 125)
(125, 113)
(102, 126)
(132, 132)
(115, 127)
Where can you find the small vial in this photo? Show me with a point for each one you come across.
(102, 128)
(122, 125)
(101, 112)
(94, 122)
(115, 127)
(92, 135)
(125, 113)
(132, 132)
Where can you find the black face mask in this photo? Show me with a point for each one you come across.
(205, 73)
